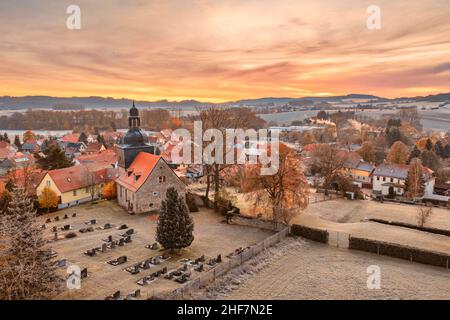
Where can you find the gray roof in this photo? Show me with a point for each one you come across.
(399, 171)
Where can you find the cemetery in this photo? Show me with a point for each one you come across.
(120, 258)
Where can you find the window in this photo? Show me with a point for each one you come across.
(155, 193)
(48, 183)
(87, 189)
(74, 193)
(378, 178)
(392, 179)
(384, 178)
(162, 179)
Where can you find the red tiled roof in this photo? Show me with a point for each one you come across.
(6, 153)
(94, 147)
(104, 159)
(71, 137)
(76, 177)
(139, 171)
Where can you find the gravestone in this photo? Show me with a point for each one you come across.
(219, 258)
(43, 226)
(55, 236)
(62, 263)
(57, 218)
(113, 244)
(66, 227)
(104, 247)
(48, 220)
(93, 221)
(66, 216)
(74, 215)
(128, 239)
(54, 229)
(121, 242)
(110, 239)
(122, 227)
(116, 295)
(137, 293)
(84, 273)
(129, 232)
(121, 259)
(107, 226)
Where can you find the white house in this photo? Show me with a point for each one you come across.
(389, 179)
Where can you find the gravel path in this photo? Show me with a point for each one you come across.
(300, 269)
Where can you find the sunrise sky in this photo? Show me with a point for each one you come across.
(221, 50)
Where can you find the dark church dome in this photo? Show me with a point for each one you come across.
(135, 136)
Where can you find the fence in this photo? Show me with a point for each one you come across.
(226, 265)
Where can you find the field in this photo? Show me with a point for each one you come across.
(301, 269)
(212, 237)
(346, 216)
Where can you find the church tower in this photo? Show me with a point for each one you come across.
(135, 141)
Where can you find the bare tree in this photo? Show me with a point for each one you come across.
(423, 213)
(91, 183)
(328, 162)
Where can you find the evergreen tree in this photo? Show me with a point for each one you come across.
(83, 138)
(54, 158)
(26, 270)
(6, 138)
(414, 154)
(17, 142)
(100, 139)
(429, 145)
(439, 149)
(175, 226)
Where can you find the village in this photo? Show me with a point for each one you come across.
(99, 198)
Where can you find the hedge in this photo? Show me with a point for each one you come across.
(412, 226)
(399, 251)
(310, 233)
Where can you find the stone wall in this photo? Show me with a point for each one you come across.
(152, 192)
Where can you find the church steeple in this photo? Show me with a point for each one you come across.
(134, 121)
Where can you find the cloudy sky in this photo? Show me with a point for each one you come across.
(220, 50)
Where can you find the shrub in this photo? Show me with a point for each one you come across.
(191, 203)
(70, 235)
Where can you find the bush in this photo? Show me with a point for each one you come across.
(191, 203)
(70, 235)
(310, 233)
(401, 252)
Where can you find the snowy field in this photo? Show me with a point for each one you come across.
(301, 269)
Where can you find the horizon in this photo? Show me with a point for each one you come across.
(223, 51)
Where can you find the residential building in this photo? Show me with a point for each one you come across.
(389, 179)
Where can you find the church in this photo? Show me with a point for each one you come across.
(144, 175)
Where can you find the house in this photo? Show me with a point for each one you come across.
(94, 147)
(360, 171)
(75, 185)
(389, 179)
(144, 185)
(102, 160)
(30, 146)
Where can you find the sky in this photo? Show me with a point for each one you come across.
(224, 50)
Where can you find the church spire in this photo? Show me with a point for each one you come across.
(134, 121)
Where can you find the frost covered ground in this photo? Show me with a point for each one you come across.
(300, 269)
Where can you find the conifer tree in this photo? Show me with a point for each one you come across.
(26, 269)
(175, 226)
(17, 143)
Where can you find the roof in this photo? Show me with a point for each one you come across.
(103, 159)
(71, 137)
(139, 170)
(7, 153)
(359, 165)
(76, 177)
(399, 171)
(94, 147)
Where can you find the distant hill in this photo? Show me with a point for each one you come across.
(47, 102)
